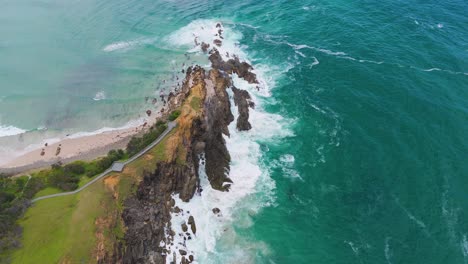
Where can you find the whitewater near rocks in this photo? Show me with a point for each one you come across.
(184, 210)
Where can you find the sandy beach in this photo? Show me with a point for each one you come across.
(72, 149)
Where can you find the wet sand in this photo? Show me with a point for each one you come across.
(73, 149)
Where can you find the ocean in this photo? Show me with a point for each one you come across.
(359, 147)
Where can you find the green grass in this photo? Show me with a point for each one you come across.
(174, 115)
(62, 228)
(47, 191)
(157, 153)
(84, 180)
(195, 103)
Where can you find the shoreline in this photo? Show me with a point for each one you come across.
(86, 148)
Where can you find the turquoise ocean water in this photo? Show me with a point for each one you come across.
(359, 152)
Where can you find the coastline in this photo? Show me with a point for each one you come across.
(86, 148)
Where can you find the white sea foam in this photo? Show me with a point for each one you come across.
(287, 158)
(129, 124)
(315, 62)
(387, 250)
(10, 131)
(413, 218)
(205, 30)
(252, 186)
(126, 45)
(99, 96)
(9, 153)
(432, 69)
(344, 55)
(464, 246)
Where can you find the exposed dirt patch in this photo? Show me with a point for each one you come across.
(148, 157)
(111, 183)
(102, 224)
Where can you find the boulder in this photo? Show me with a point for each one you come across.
(184, 227)
(191, 222)
(242, 101)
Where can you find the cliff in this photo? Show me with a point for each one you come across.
(205, 107)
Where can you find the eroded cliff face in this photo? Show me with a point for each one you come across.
(205, 107)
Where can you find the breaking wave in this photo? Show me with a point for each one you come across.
(253, 188)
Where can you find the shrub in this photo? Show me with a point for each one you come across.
(35, 184)
(136, 144)
(174, 115)
(76, 168)
(159, 123)
(59, 179)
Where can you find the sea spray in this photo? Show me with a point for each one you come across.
(219, 214)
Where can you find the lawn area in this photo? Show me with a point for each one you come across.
(47, 191)
(148, 161)
(195, 103)
(62, 229)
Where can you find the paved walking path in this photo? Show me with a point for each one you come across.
(116, 166)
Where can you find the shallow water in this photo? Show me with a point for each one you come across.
(358, 151)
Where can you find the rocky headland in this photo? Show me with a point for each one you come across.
(204, 103)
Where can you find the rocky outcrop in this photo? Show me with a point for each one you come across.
(243, 101)
(217, 118)
(148, 212)
(205, 47)
(242, 69)
(205, 107)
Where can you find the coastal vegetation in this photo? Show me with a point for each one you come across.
(137, 144)
(63, 229)
(174, 115)
(50, 226)
(12, 205)
(46, 220)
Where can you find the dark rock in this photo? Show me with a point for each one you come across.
(241, 100)
(154, 192)
(182, 252)
(242, 69)
(147, 213)
(217, 42)
(217, 118)
(184, 227)
(191, 222)
(148, 112)
(205, 46)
